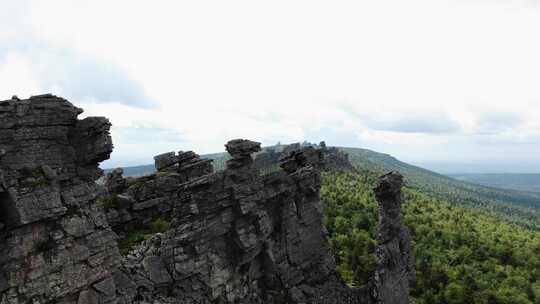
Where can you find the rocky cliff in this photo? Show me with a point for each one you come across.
(333, 158)
(234, 236)
(56, 244)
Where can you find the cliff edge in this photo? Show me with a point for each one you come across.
(235, 236)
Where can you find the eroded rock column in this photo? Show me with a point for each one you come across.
(395, 270)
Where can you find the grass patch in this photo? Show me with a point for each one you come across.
(160, 225)
(108, 202)
(132, 239)
(136, 237)
(32, 178)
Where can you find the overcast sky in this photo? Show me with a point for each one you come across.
(426, 81)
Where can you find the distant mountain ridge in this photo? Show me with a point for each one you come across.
(518, 207)
(436, 183)
(515, 181)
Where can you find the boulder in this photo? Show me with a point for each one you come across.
(165, 161)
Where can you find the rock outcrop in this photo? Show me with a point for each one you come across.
(237, 237)
(336, 159)
(234, 236)
(322, 157)
(133, 204)
(56, 245)
(395, 271)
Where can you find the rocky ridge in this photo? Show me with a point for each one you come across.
(233, 236)
(334, 159)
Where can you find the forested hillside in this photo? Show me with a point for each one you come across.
(462, 255)
(515, 206)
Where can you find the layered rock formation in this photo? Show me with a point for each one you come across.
(56, 245)
(132, 204)
(332, 159)
(336, 159)
(234, 236)
(237, 237)
(395, 271)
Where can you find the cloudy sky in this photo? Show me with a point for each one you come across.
(430, 82)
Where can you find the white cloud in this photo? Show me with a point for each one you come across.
(16, 75)
(420, 77)
(73, 75)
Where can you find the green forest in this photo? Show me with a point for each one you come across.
(514, 206)
(463, 255)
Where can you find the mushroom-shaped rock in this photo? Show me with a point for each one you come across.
(388, 186)
(241, 148)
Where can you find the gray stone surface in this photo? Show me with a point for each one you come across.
(114, 181)
(157, 273)
(395, 270)
(235, 236)
(165, 160)
(87, 297)
(47, 199)
(139, 201)
(241, 237)
(320, 156)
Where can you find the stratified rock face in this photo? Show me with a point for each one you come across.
(135, 203)
(235, 236)
(320, 156)
(56, 245)
(335, 159)
(395, 270)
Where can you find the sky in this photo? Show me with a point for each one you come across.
(453, 84)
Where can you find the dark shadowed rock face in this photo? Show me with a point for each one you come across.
(238, 237)
(235, 236)
(395, 270)
(134, 203)
(320, 156)
(336, 159)
(56, 244)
